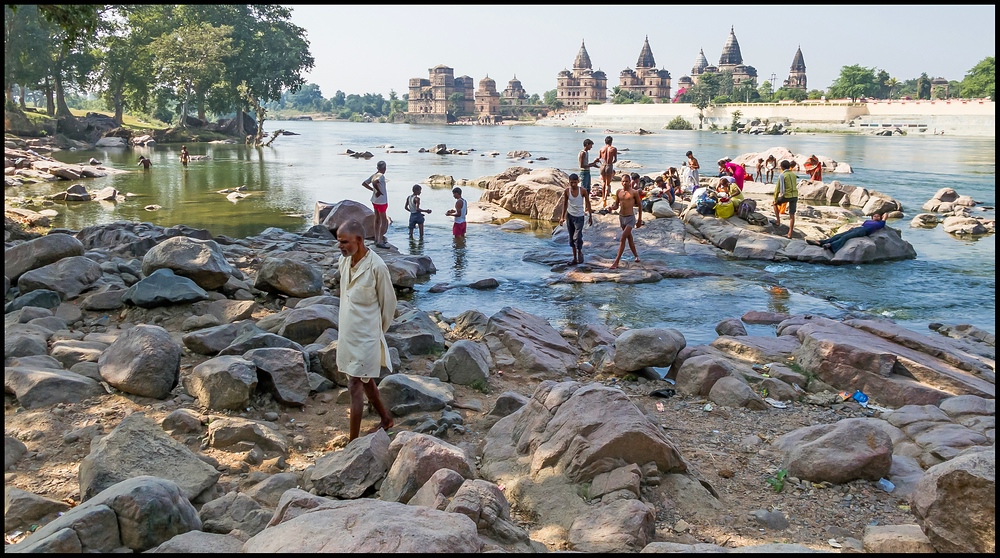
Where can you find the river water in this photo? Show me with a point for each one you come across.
(952, 280)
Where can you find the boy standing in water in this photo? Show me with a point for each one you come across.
(585, 166)
(416, 213)
(628, 200)
(459, 212)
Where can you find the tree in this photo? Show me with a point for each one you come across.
(678, 123)
(766, 92)
(125, 72)
(735, 125)
(74, 19)
(551, 99)
(854, 82)
(923, 86)
(455, 102)
(26, 50)
(882, 83)
(191, 56)
(892, 83)
(534, 99)
(981, 80)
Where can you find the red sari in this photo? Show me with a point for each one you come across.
(814, 168)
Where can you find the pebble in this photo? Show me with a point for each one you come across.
(271, 416)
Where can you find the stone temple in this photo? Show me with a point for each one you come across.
(429, 100)
(797, 73)
(645, 78)
(731, 61)
(582, 85)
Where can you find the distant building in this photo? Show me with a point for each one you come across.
(430, 99)
(646, 79)
(939, 88)
(731, 61)
(487, 98)
(514, 93)
(797, 73)
(582, 85)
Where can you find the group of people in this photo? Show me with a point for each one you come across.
(380, 202)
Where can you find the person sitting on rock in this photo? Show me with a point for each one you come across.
(837, 241)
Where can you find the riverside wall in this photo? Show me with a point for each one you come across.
(952, 117)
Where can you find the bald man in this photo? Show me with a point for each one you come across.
(367, 307)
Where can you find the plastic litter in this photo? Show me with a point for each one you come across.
(884, 484)
(834, 543)
(775, 403)
(707, 407)
(860, 397)
(664, 393)
(659, 406)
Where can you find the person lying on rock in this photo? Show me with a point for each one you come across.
(837, 241)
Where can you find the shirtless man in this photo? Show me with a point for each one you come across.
(627, 200)
(585, 166)
(693, 167)
(759, 174)
(608, 156)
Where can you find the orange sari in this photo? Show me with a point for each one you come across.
(814, 168)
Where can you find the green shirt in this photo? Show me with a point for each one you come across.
(790, 182)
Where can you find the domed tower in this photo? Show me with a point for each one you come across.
(487, 98)
(645, 56)
(797, 73)
(515, 93)
(700, 63)
(731, 55)
(583, 85)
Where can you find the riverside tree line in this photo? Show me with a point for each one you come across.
(164, 61)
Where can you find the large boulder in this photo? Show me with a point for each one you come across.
(415, 458)
(224, 382)
(537, 193)
(415, 333)
(955, 503)
(466, 363)
(403, 394)
(289, 277)
(144, 360)
(656, 346)
(162, 288)
(305, 524)
(284, 372)
(332, 215)
(38, 252)
(202, 261)
(535, 346)
(36, 386)
(350, 472)
(136, 447)
(847, 450)
(136, 514)
(69, 277)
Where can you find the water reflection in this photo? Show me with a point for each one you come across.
(458, 244)
(778, 300)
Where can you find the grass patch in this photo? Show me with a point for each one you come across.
(480, 386)
(777, 482)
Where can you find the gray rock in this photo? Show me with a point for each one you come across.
(535, 345)
(71, 352)
(182, 421)
(289, 277)
(414, 333)
(773, 520)
(233, 511)
(471, 323)
(268, 491)
(39, 252)
(304, 325)
(224, 432)
(199, 260)
(44, 387)
(199, 322)
(886, 539)
(13, 449)
(162, 288)
(283, 372)
(730, 391)
(507, 403)
(484, 503)
(621, 526)
(437, 491)
(69, 277)
(136, 447)
(144, 360)
(212, 340)
(224, 382)
(403, 394)
(730, 326)
(350, 472)
(251, 337)
(955, 504)
(138, 513)
(360, 526)
(40, 298)
(466, 363)
(110, 299)
(200, 542)
(22, 508)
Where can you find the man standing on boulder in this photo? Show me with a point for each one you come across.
(380, 201)
(367, 307)
(628, 199)
(576, 204)
(585, 166)
(786, 191)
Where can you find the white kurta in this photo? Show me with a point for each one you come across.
(367, 306)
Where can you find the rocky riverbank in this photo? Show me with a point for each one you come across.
(169, 389)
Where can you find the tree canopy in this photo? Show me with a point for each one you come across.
(981, 80)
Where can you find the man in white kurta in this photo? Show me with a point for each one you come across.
(367, 307)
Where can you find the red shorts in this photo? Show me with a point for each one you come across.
(458, 229)
(381, 207)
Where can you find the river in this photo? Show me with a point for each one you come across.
(952, 280)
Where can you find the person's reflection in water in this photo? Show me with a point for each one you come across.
(416, 246)
(459, 244)
(778, 303)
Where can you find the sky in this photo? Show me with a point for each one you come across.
(377, 48)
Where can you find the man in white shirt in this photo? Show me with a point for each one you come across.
(380, 201)
(367, 307)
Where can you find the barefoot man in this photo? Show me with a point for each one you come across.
(367, 306)
(576, 204)
(608, 156)
(627, 199)
(380, 201)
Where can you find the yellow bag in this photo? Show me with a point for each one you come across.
(724, 210)
(783, 208)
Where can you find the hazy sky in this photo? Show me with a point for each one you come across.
(375, 48)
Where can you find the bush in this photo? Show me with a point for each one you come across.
(678, 123)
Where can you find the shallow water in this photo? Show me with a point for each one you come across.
(951, 281)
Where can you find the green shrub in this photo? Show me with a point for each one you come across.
(678, 123)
